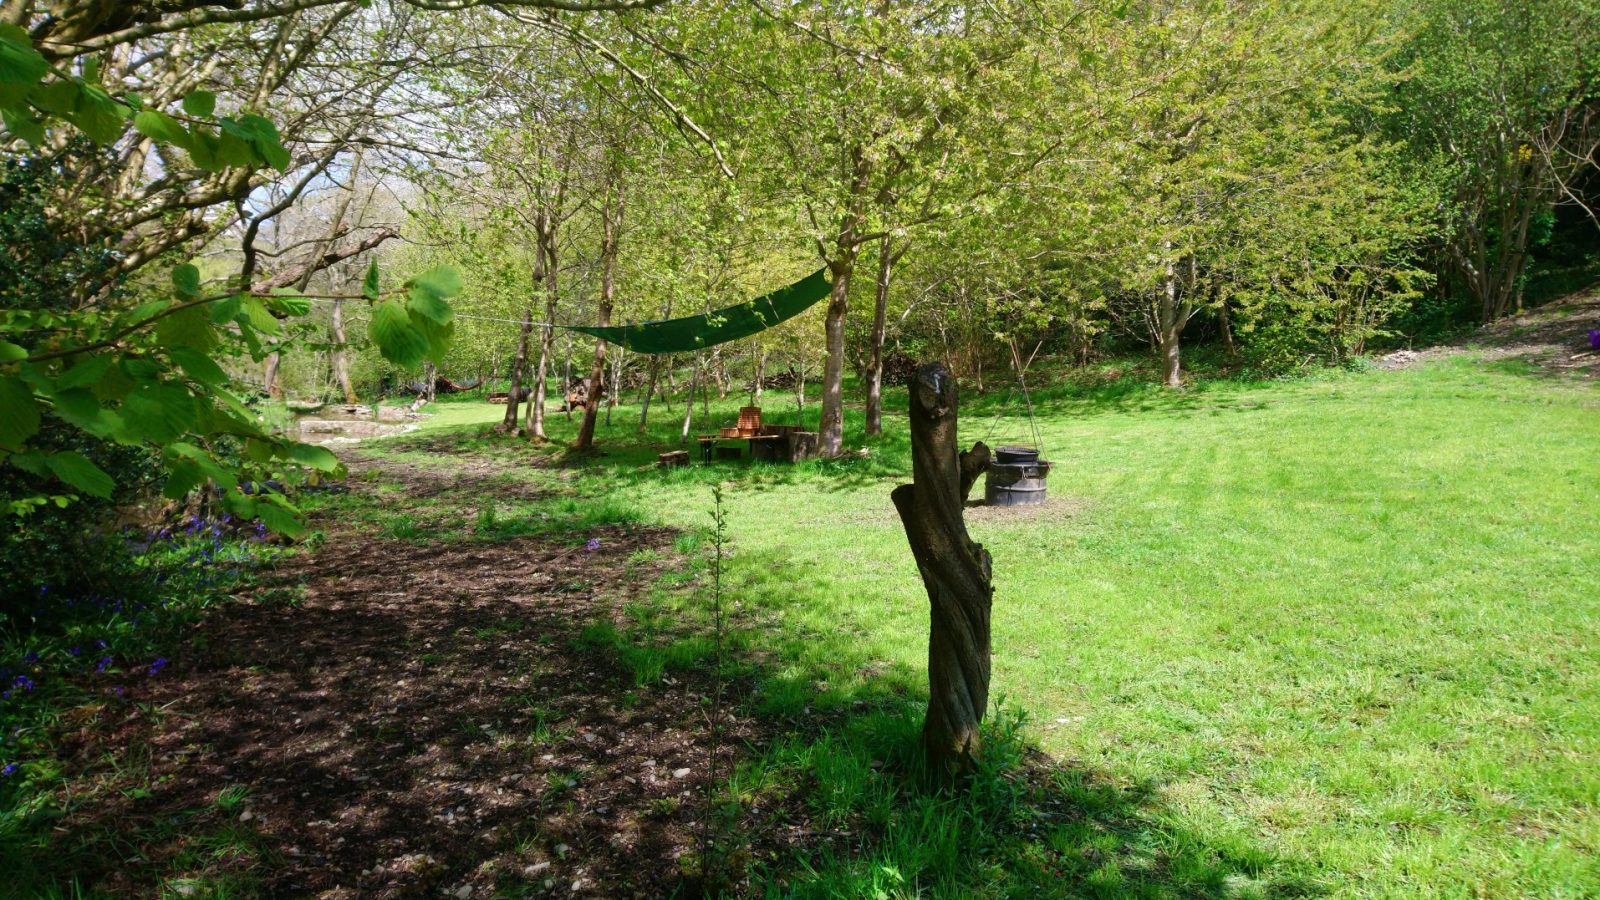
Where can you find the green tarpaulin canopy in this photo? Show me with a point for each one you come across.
(697, 332)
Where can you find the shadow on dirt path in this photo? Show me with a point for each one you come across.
(402, 720)
(1550, 340)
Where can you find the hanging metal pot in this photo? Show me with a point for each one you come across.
(1015, 483)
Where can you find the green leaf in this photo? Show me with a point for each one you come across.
(190, 328)
(288, 302)
(429, 306)
(159, 413)
(277, 518)
(207, 464)
(260, 317)
(398, 341)
(97, 115)
(31, 461)
(81, 408)
(87, 372)
(75, 469)
(267, 142)
(233, 150)
(162, 128)
(183, 476)
(260, 137)
(439, 337)
(186, 278)
(200, 103)
(111, 383)
(369, 286)
(227, 310)
(58, 97)
(205, 149)
(10, 352)
(21, 66)
(319, 458)
(442, 282)
(144, 312)
(23, 125)
(19, 414)
(199, 366)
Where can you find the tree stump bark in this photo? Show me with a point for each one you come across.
(955, 571)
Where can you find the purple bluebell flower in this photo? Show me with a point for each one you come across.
(104, 662)
(1594, 338)
(101, 644)
(32, 656)
(158, 665)
(76, 651)
(118, 690)
(9, 768)
(593, 545)
(23, 681)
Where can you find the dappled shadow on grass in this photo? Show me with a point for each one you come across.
(525, 713)
(838, 806)
(625, 457)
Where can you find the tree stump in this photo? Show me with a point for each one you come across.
(955, 571)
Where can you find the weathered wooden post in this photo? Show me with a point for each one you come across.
(955, 571)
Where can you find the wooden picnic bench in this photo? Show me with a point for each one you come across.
(772, 443)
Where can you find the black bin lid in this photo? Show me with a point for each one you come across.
(1015, 454)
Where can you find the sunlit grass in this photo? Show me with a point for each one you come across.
(1341, 632)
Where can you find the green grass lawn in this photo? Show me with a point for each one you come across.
(1335, 636)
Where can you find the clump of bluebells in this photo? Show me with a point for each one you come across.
(75, 647)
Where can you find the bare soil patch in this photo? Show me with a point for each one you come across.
(1554, 339)
(410, 721)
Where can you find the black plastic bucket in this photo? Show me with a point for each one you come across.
(1015, 483)
(1016, 455)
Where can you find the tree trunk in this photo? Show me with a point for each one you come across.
(547, 242)
(339, 356)
(831, 427)
(610, 220)
(616, 383)
(688, 406)
(1225, 325)
(800, 392)
(566, 379)
(880, 318)
(649, 391)
(1169, 328)
(513, 399)
(269, 376)
(956, 572)
(761, 375)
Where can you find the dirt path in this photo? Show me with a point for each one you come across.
(410, 720)
(1554, 339)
